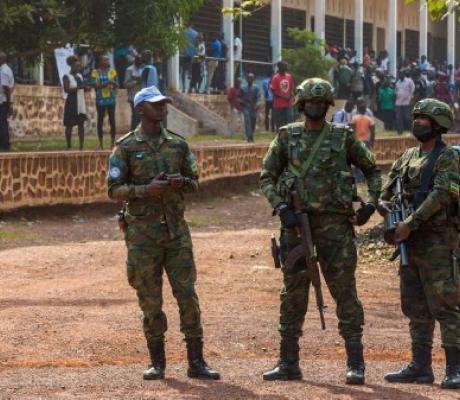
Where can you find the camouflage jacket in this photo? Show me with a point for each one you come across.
(134, 162)
(441, 203)
(328, 185)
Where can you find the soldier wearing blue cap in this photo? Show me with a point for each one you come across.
(150, 169)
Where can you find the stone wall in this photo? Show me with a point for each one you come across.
(47, 178)
(39, 111)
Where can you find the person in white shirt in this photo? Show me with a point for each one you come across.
(384, 61)
(344, 116)
(6, 109)
(237, 54)
(404, 93)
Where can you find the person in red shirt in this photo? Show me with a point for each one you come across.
(282, 86)
(236, 106)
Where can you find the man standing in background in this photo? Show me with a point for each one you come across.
(237, 54)
(133, 83)
(216, 53)
(250, 97)
(149, 72)
(404, 92)
(282, 86)
(268, 94)
(236, 107)
(6, 88)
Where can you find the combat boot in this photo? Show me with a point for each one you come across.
(287, 368)
(419, 369)
(156, 369)
(197, 366)
(355, 363)
(452, 378)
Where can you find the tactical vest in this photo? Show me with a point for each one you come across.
(328, 183)
(411, 173)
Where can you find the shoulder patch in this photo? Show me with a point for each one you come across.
(176, 134)
(118, 141)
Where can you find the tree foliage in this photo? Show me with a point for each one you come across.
(439, 9)
(34, 26)
(245, 9)
(308, 60)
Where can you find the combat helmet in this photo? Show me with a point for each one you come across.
(314, 88)
(436, 110)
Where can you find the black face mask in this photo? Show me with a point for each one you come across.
(423, 133)
(315, 111)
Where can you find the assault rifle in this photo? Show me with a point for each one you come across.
(398, 213)
(305, 251)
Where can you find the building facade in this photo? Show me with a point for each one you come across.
(404, 30)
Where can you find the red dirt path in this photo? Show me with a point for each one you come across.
(70, 327)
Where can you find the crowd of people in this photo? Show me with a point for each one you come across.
(368, 88)
(203, 63)
(391, 99)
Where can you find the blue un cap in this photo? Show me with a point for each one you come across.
(150, 94)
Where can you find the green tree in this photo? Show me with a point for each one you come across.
(438, 9)
(34, 26)
(245, 9)
(308, 60)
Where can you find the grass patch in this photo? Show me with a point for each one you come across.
(16, 235)
(91, 142)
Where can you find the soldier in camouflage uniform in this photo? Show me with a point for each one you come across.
(430, 287)
(326, 188)
(150, 169)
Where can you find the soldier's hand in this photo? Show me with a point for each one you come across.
(287, 216)
(176, 181)
(363, 214)
(158, 186)
(384, 207)
(402, 232)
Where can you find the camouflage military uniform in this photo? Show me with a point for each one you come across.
(428, 290)
(327, 192)
(157, 235)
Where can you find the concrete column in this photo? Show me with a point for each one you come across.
(276, 30)
(229, 35)
(423, 36)
(320, 18)
(359, 31)
(174, 72)
(392, 38)
(38, 72)
(451, 38)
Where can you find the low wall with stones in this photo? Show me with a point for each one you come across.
(48, 178)
(39, 112)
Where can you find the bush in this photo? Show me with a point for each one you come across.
(308, 60)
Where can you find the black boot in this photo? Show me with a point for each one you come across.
(156, 369)
(452, 378)
(287, 368)
(355, 363)
(419, 369)
(197, 366)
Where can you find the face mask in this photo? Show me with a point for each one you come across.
(423, 133)
(315, 111)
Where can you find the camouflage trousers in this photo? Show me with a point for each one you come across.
(429, 292)
(334, 241)
(147, 258)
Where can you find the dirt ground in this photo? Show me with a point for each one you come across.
(70, 324)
